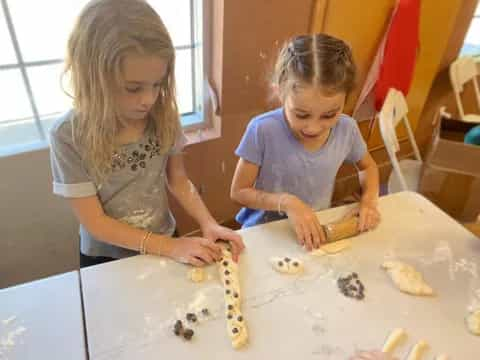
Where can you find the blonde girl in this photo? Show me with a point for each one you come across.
(115, 154)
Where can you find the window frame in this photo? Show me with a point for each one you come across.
(476, 17)
(199, 116)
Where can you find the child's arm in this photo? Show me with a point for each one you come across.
(369, 215)
(186, 194)
(307, 227)
(89, 212)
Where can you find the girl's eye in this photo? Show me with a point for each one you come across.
(302, 116)
(329, 116)
(133, 90)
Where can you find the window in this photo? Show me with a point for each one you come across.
(471, 45)
(32, 43)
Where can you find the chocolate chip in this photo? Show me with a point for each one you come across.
(235, 330)
(280, 263)
(188, 334)
(227, 282)
(354, 275)
(191, 317)
(227, 291)
(227, 272)
(225, 263)
(287, 259)
(295, 263)
(235, 295)
(229, 316)
(230, 307)
(205, 312)
(240, 318)
(178, 328)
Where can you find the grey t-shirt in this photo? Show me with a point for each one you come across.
(285, 165)
(134, 193)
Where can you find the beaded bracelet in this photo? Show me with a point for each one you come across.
(143, 244)
(279, 207)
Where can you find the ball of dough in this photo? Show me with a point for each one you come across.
(407, 279)
(287, 265)
(196, 274)
(473, 322)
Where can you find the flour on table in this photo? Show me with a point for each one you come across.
(9, 320)
(8, 341)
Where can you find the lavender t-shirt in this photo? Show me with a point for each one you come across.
(286, 166)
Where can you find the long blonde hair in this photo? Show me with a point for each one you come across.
(105, 31)
(318, 59)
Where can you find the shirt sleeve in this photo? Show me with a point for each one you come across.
(70, 177)
(252, 145)
(358, 147)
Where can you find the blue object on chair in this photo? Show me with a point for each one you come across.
(473, 136)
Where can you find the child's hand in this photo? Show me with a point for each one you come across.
(197, 251)
(307, 227)
(214, 232)
(369, 217)
(371, 355)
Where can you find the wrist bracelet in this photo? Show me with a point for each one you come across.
(143, 244)
(279, 207)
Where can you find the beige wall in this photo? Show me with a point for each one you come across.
(38, 235)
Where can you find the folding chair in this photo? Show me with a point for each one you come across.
(462, 71)
(406, 173)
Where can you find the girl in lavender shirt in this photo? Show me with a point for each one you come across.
(289, 157)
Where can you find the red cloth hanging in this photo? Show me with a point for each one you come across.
(394, 62)
(400, 52)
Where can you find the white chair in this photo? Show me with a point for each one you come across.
(462, 71)
(406, 172)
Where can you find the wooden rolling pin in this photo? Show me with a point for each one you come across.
(341, 230)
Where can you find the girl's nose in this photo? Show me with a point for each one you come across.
(148, 97)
